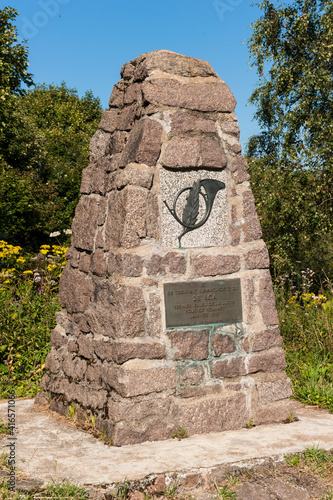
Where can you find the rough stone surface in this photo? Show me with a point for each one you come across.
(181, 152)
(169, 62)
(211, 265)
(251, 228)
(184, 122)
(257, 259)
(262, 340)
(189, 344)
(118, 141)
(75, 291)
(266, 301)
(124, 351)
(210, 96)
(135, 201)
(192, 375)
(58, 337)
(115, 220)
(93, 180)
(249, 302)
(154, 430)
(273, 390)
(135, 175)
(126, 264)
(85, 347)
(52, 362)
(141, 409)
(223, 344)
(216, 413)
(99, 263)
(273, 360)
(74, 367)
(119, 311)
(109, 120)
(85, 223)
(171, 263)
(99, 145)
(239, 168)
(274, 412)
(229, 368)
(139, 377)
(154, 315)
(127, 116)
(212, 155)
(144, 143)
(230, 128)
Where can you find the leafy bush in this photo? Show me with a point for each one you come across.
(306, 323)
(28, 303)
(295, 209)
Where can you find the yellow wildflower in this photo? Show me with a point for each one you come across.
(28, 272)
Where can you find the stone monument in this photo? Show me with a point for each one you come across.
(168, 315)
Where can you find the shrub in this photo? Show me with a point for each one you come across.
(28, 303)
(306, 323)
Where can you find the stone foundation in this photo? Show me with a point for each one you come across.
(170, 123)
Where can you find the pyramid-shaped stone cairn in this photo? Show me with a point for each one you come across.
(168, 315)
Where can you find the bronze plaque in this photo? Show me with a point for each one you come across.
(203, 302)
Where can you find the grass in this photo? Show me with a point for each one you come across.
(314, 458)
(180, 434)
(224, 492)
(250, 424)
(170, 492)
(312, 466)
(122, 491)
(4, 428)
(55, 491)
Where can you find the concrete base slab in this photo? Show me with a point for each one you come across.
(49, 449)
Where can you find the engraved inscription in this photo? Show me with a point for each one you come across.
(202, 302)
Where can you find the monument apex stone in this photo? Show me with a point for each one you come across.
(168, 314)
(168, 62)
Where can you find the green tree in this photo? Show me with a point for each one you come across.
(44, 145)
(291, 48)
(44, 149)
(13, 59)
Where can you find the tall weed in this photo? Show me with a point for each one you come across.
(306, 324)
(28, 303)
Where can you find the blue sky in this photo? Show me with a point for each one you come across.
(85, 42)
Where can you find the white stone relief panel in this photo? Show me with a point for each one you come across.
(214, 232)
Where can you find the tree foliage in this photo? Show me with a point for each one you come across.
(13, 57)
(44, 145)
(44, 148)
(297, 224)
(291, 48)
